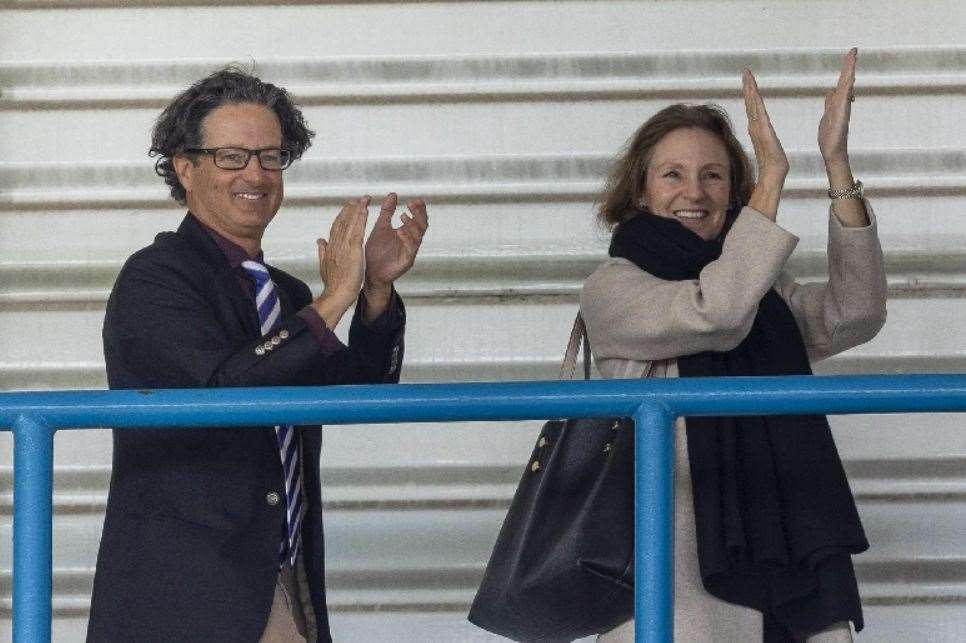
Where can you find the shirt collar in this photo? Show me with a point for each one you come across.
(233, 252)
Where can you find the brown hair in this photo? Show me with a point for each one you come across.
(625, 182)
(179, 126)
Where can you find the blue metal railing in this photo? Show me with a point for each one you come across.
(654, 404)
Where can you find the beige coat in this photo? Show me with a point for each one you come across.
(634, 318)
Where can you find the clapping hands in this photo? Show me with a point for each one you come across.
(833, 130)
(346, 264)
(769, 153)
(390, 252)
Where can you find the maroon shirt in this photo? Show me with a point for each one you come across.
(328, 342)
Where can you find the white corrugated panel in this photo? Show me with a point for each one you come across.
(504, 115)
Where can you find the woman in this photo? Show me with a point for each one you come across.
(765, 522)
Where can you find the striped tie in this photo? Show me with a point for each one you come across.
(269, 313)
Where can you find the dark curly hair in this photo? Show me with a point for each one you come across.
(178, 128)
(625, 182)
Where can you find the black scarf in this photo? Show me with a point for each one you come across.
(775, 518)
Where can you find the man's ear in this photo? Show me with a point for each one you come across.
(184, 168)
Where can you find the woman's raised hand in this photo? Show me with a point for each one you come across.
(833, 142)
(769, 154)
(833, 129)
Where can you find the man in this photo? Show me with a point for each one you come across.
(216, 534)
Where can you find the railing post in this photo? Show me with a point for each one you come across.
(654, 524)
(33, 469)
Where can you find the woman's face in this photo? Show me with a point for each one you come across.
(688, 179)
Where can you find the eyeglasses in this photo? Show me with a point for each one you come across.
(237, 158)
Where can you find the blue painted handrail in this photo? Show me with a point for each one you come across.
(654, 404)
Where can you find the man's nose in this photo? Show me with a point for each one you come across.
(253, 168)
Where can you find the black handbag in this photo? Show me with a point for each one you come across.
(563, 564)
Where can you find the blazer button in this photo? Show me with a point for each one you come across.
(273, 498)
(283, 334)
(259, 350)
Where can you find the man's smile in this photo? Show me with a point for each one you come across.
(250, 196)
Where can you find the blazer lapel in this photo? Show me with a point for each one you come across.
(244, 309)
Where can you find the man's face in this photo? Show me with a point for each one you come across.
(238, 204)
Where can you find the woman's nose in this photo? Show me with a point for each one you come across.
(693, 188)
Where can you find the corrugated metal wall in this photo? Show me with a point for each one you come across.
(504, 115)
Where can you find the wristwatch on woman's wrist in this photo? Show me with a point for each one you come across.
(854, 192)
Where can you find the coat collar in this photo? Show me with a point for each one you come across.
(198, 237)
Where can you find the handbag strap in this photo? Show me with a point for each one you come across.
(578, 338)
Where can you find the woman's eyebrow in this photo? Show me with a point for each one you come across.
(682, 164)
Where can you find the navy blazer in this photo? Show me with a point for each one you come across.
(189, 550)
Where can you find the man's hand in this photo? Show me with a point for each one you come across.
(390, 252)
(341, 262)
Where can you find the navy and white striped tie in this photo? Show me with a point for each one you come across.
(269, 314)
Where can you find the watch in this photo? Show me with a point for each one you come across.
(854, 192)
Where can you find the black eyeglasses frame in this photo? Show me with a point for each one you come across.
(284, 155)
